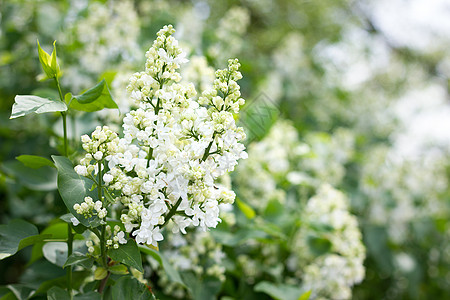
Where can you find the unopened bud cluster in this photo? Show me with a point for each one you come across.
(88, 208)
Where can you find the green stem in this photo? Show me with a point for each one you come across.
(64, 117)
(103, 231)
(172, 211)
(69, 252)
(69, 226)
(205, 156)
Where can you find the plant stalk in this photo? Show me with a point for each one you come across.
(69, 226)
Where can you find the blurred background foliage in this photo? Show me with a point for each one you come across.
(364, 86)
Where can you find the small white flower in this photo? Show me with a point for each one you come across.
(107, 178)
(121, 236)
(98, 155)
(81, 170)
(74, 221)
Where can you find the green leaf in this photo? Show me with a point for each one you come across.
(79, 259)
(55, 252)
(202, 288)
(73, 188)
(246, 209)
(128, 287)
(318, 245)
(305, 296)
(128, 254)
(280, 291)
(171, 272)
(57, 293)
(42, 179)
(119, 269)
(92, 295)
(35, 162)
(17, 235)
(27, 104)
(54, 231)
(92, 94)
(21, 291)
(94, 99)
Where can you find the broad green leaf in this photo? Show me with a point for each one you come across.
(202, 288)
(279, 291)
(21, 291)
(171, 272)
(128, 254)
(239, 237)
(246, 209)
(128, 287)
(54, 231)
(119, 269)
(55, 252)
(42, 179)
(78, 279)
(57, 293)
(41, 271)
(88, 296)
(79, 259)
(8, 296)
(17, 235)
(27, 104)
(94, 99)
(35, 162)
(73, 188)
(305, 296)
(92, 94)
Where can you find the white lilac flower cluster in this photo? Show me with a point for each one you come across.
(116, 237)
(274, 168)
(330, 275)
(102, 143)
(403, 190)
(273, 160)
(174, 148)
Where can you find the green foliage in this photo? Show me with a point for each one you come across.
(17, 235)
(245, 208)
(94, 99)
(128, 254)
(171, 272)
(42, 179)
(282, 291)
(79, 259)
(130, 288)
(73, 188)
(27, 104)
(202, 288)
(35, 162)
